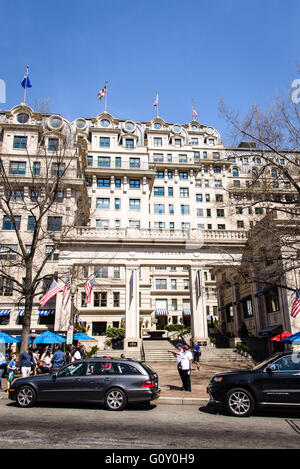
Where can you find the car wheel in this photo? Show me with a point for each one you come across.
(239, 402)
(26, 396)
(115, 399)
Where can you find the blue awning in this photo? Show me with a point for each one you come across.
(21, 312)
(161, 312)
(4, 312)
(46, 312)
(187, 312)
(269, 330)
(263, 292)
(221, 308)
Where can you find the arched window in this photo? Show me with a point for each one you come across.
(274, 173)
(235, 172)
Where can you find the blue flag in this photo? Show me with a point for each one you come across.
(28, 85)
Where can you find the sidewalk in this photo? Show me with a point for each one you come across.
(170, 383)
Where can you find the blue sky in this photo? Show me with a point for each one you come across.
(242, 51)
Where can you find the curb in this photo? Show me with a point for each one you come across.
(181, 400)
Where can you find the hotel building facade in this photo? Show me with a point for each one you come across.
(156, 214)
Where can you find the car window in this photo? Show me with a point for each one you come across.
(75, 369)
(287, 363)
(126, 369)
(100, 368)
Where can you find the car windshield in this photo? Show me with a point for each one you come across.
(148, 368)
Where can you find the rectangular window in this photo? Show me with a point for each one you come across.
(134, 223)
(20, 142)
(134, 183)
(184, 192)
(54, 224)
(118, 162)
(31, 223)
(182, 158)
(134, 204)
(159, 175)
(129, 143)
(158, 157)
(8, 251)
(17, 167)
(220, 212)
(90, 160)
(177, 142)
(101, 271)
(184, 209)
(171, 209)
(159, 208)
(159, 225)
(198, 197)
(118, 183)
(116, 299)
(173, 284)
(104, 142)
(36, 168)
(199, 212)
(219, 198)
(134, 162)
(116, 271)
(102, 203)
(159, 191)
(52, 254)
(170, 191)
(221, 227)
(183, 175)
(58, 169)
(157, 141)
(53, 144)
(185, 226)
(161, 284)
(102, 223)
(117, 204)
(8, 224)
(100, 299)
(174, 304)
(104, 161)
(103, 182)
(272, 300)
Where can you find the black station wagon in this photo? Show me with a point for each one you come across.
(273, 383)
(109, 381)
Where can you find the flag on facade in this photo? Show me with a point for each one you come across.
(195, 115)
(53, 290)
(66, 292)
(88, 287)
(102, 92)
(198, 282)
(296, 304)
(155, 104)
(131, 284)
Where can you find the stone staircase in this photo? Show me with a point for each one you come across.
(157, 351)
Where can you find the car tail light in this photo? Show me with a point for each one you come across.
(148, 384)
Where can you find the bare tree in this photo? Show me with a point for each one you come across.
(36, 199)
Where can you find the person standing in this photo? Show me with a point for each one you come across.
(58, 359)
(3, 364)
(197, 353)
(178, 353)
(186, 367)
(11, 369)
(25, 362)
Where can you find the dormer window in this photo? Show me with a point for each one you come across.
(53, 144)
(22, 118)
(157, 141)
(129, 143)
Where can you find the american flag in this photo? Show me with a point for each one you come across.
(198, 283)
(102, 93)
(296, 304)
(88, 290)
(155, 104)
(66, 291)
(53, 290)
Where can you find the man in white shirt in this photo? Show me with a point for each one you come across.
(186, 366)
(179, 353)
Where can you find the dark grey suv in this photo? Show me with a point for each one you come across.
(109, 381)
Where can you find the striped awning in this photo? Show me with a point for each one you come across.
(161, 312)
(4, 312)
(21, 312)
(186, 312)
(46, 312)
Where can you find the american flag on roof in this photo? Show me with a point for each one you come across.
(53, 290)
(88, 287)
(296, 304)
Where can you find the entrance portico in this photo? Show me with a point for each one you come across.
(133, 255)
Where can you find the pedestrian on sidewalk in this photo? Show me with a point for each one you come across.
(197, 354)
(186, 368)
(26, 360)
(11, 369)
(178, 353)
(58, 359)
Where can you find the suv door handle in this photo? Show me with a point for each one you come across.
(106, 380)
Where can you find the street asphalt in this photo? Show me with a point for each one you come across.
(170, 383)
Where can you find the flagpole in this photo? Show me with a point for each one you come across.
(26, 84)
(157, 105)
(105, 107)
(193, 108)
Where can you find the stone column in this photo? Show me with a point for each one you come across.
(198, 309)
(132, 341)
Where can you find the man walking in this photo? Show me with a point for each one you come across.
(179, 353)
(186, 367)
